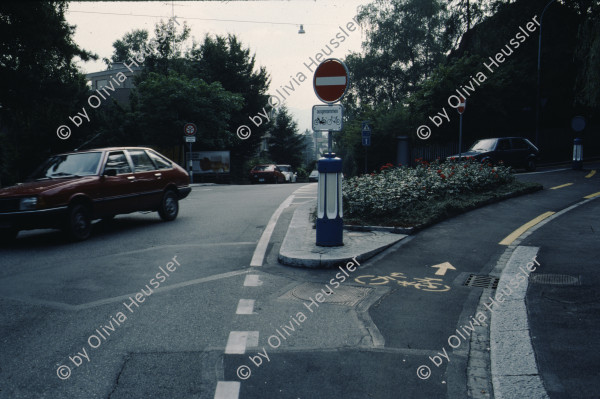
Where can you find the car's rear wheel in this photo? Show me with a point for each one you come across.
(8, 236)
(531, 165)
(79, 222)
(169, 206)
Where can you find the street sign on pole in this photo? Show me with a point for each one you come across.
(366, 141)
(328, 117)
(366, 129)
(462, 105)
(331, 80)
(190, 129)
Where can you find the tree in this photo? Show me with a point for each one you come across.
(161, 105)
(40, 86)
(405, 41)
(284, 143)
(225, 60)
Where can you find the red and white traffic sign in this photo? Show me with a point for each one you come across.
(331, 80)
(462, 105)
(190, 129)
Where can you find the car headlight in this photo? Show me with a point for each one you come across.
(28, 203)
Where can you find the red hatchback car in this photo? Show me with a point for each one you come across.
(266, 173)
(71, 190)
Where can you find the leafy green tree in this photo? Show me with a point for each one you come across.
(40, 86)
(285, 145)
(161, 105)
(225, 60)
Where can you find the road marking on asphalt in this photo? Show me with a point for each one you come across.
(592, 195)
(515, 234)
(238, 341)
(252, 280)
(442, 268)
(227, 390)
(545, 171)
(592, 173)
(561, 186)
(245, 306)
(263, 243)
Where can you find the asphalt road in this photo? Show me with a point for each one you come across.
(186, 335)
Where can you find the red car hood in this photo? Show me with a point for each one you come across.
(37, 187)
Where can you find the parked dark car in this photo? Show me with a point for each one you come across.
(71, 190)
(268, 173)
(517, 152)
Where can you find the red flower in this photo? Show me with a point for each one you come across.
(443, 176)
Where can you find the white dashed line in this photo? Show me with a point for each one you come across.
(245, 306)
(227, 390)
(252, 280)
(240, 340)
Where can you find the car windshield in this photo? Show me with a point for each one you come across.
(284, 168)
(264, 168)
(483, 145)
(68, 165)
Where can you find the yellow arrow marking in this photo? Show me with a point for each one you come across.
(592, 173)
(561, 186)
(443, 268)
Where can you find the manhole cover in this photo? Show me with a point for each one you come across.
(554, 279)
(343, 295)
(475, 280)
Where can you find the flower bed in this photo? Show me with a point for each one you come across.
(407, 196)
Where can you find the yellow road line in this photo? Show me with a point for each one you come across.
(561, 186)
(592, 195)
(515, 234)
(592, 173)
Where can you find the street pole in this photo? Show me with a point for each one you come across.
(460, 138)
(329, 141)
(365, 160)
(539, 65)
(191, 165)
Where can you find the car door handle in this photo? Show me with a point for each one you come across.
(158, 175)
(130, 177)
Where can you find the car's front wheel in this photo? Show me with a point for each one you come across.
(169, 206)
(79, 222)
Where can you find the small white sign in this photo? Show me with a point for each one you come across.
(327, 117)
(190, 139)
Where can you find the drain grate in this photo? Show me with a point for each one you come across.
(554, 279)
(475, 280)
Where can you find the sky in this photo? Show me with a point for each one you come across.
(272, 36)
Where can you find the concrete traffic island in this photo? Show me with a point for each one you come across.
(299, 247)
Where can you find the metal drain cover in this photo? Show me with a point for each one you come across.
(554, 279)
(343, 295)
(475, 280)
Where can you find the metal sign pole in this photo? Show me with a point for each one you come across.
(460, 138)
(191, 165)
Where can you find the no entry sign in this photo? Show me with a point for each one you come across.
(462, 105)
(331, 80)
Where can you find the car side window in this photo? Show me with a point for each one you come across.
(503, 145)
(117, 161)
(160, 162)
(141, 161)
(519, 144)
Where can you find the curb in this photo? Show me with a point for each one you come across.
(513, 364)
(299, 249)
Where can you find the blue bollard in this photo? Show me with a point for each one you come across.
(578, 154)
(330, 225)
